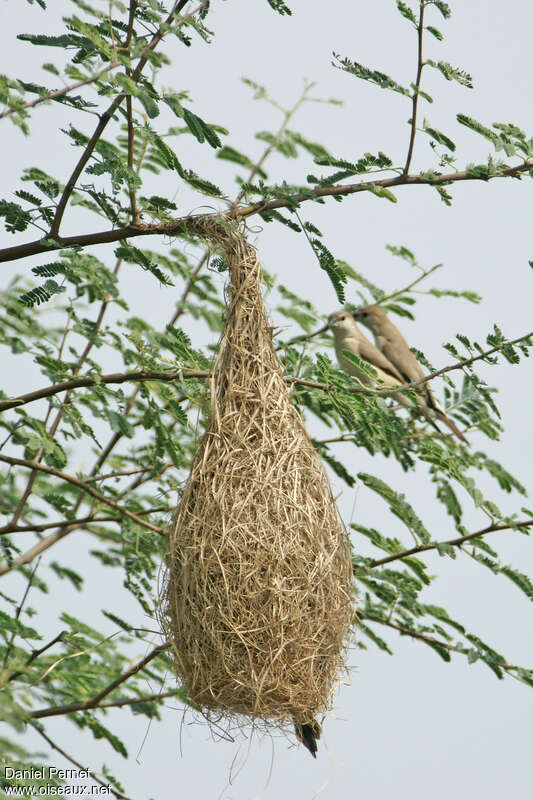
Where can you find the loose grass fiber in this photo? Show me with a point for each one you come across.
(258, 601)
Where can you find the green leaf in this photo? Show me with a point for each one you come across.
(70, 574)
(365, 74)
(519, 579)
(41, 294)
(331, 267)
(443, 7)
(398, 505)
(17, 219)
(435, 32)
(372, 635)
(280, 7)
(439, 137)
(452, 73)
(406, 12)
(381, 191)
(200, 129)
(119, 423)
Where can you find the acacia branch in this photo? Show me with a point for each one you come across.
(404, 630)
(116, 377)
(467, 361)
(53, 428)
(287, 116)
(39, 527)
(457, 542)
(35, 654)
(409, 286)
(131, 129)
(95, 701)
(17, 616)
(77, 764)
(420, 66)
(23, 462)
(107, 116)
(127, 701)
(178, 227)
(61, 92)
(197, 374)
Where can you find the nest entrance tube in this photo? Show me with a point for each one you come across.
(257, 602)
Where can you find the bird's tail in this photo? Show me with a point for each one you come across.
(308, 733)
(431, 411)
(451, 425)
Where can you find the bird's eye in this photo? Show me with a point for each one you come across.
(364, 313)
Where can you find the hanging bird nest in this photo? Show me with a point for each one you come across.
(257, 602)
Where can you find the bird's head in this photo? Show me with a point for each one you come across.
(341, 322)
(373, 317)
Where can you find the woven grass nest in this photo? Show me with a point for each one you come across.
(257, 602)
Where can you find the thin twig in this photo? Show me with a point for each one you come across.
(17, 615)
(271, 147)
(457, 542)
(23, 462)
(403, 629)
(61, 92)
(124, 474)
(467, 361)
(95, 701)
(420, 65)
(169, 377)
(127, 701)
(107, 116)
(180, 308)
(408, 288)
(35, 654)
(129, 113)
(39, 527)
(179, 226)
(59, 416)
(77, 764)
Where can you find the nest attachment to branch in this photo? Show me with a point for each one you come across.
(258, 598)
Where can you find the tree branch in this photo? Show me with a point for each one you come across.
(36, 653)
(106, 117)
(39, 527)
(23, 462)
(77, 764)
(404, 630)
(17, 615)
(420, 66)
(178, 227)
(457, 542)
(61, 92)
(95, 701)
(409, 286)
(197, 374)
(467, 361)
(131, 129)
(116, 377)
(127, 701)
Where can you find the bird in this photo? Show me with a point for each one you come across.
(308, 733)
(349, 336)
(394, 347)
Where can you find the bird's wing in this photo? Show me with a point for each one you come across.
(369, 352)
(400, 355)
